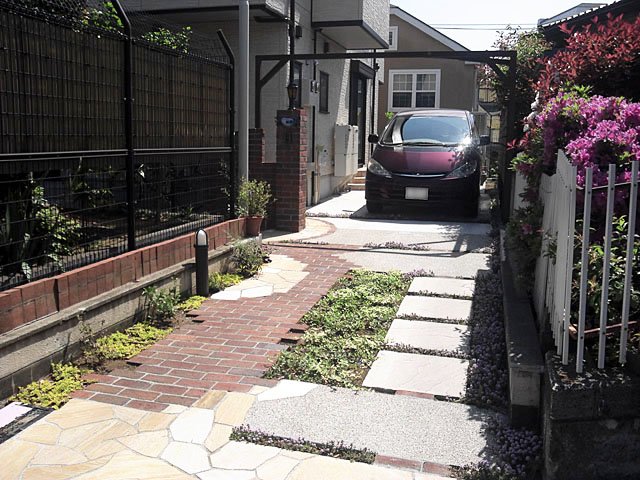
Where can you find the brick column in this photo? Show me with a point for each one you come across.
(291, 170)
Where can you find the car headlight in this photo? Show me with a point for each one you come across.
(465, 169)
(377, 169)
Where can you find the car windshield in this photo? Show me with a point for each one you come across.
(428, 130)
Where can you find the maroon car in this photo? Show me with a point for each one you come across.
(426, 157)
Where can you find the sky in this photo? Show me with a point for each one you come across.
(488, 15)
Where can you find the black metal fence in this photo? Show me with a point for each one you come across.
(72, 189)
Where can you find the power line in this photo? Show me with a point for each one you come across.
(500, 28)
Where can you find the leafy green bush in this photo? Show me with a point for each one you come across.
(65, 379)
(253, 198)
(219, 281)
(32, 228)
(348, 327)
(617, 266)
(248, 257)
(160, 304)
(130, 342)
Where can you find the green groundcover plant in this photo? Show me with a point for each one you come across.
(348, 327)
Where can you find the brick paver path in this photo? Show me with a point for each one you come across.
(227, 345)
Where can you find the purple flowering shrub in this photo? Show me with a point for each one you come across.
(594, 132)
(515, 454)
(487, 376)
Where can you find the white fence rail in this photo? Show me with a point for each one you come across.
(554, 274)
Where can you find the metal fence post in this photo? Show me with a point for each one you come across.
(232, 118)
(128, 124)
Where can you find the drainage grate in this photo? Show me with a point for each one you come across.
(25, 416)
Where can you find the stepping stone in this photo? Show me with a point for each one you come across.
(442, 286)
(435, 307)
(428, 335)
(410, 372)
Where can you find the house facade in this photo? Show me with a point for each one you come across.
(423, 82)
(337, 94)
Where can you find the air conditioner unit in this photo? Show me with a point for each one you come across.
(345, 150)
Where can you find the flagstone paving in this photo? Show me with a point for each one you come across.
(279, 276)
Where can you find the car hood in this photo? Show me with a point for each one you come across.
(418, 159)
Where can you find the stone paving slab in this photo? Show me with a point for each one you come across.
(428, 335)
(438, 376)
(435, 307)
(401, 426)
(443, 286)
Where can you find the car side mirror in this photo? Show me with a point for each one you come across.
(373, 138)
(484, 140)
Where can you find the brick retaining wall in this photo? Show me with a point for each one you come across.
(44, 297)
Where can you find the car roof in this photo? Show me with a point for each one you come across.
(435, 112)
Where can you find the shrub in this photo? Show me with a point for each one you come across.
(53, 393)
(160, 304)
(248, 257)
(253, 198)
(220, 281)
(603, 55)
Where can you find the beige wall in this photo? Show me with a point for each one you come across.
(457, 79)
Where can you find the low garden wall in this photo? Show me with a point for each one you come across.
(591, 423)
(41, 322)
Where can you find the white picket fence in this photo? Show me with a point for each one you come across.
(553, 278)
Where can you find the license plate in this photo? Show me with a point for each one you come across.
(416, 193)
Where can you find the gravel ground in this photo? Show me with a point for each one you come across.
(395, 425)
(442, 264)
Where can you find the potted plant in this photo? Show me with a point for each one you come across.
(253, 199)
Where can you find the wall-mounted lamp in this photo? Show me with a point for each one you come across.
(325, 47)
(298, 31)
(292, 93)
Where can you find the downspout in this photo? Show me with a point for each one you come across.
(292, 46)
(128, 124)
(313, 131)
(373, 102)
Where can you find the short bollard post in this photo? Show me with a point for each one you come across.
(202, 263)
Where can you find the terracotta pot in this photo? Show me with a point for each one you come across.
(253, 226)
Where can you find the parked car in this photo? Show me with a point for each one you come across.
(424, 158)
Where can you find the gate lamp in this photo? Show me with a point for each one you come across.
(292, 93)
(202, 263)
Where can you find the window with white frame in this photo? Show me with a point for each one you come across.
(414, 89)
(393, 38)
